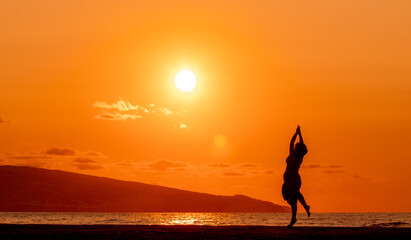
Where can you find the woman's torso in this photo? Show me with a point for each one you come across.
(293, 165)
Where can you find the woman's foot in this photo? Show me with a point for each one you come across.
(308, 210)
(292, 223)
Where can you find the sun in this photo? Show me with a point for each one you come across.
(185, 80)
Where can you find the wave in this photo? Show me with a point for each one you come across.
(389, 224)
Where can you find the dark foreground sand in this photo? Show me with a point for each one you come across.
(8, 231)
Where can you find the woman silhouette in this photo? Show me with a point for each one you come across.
(292, 181)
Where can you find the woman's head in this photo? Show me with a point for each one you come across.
(300, 149)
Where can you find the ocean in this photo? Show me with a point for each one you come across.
(211, 219)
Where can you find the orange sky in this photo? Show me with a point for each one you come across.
(340, 69)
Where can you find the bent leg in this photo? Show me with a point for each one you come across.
(306, 207)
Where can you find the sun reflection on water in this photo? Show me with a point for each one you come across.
(183, 222)
(183, 219)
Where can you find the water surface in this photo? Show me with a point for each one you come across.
(211, 219)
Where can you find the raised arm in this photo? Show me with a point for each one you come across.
(292, 143)
(299, 134)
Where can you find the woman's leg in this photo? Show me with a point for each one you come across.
(306, 207)
(293, 204)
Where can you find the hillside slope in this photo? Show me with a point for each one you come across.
(42, 190)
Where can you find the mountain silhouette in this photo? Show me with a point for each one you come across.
(28, 189)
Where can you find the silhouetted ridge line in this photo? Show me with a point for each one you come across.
(42, 190)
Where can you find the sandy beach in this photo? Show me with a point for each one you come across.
(11, 231)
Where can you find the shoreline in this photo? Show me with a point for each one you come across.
(43, 231)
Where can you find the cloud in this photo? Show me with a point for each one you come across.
(311, 166)
(158, 165)
(86, 164)
(28, 157)
(248, 165)
(183, 126)
(126, 163)
(56, 158)
(116, 116)
(233, 174)
(322, 166)
(226, 165)
(84, 160)
(120, 105)
(28, 160)
(165, 111)
(95, 154)
(161, 165)
(72, 152)
(329, 169)
(237, 170)
(217, 165)
(336, 166)
(61, 151)
(124, 110)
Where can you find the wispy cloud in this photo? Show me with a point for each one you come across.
(163, 165)
(221, 169)
(117, 116)
(124, 110)
(182, 125)
(55, 158)
(86, 164)
(120, 105)
(335, 166)
(158, 165)
(1, 120)
(27, 157)
(322, 166)
(237, 170)
(233, 174)
(84, 160)
(248, 165)
(268, 172)
(94, 154)
(61, 151)
(218, 165)
(329, 169)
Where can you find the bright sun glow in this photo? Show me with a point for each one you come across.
(185, 80)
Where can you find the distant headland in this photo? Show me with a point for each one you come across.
(28, 189)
